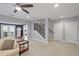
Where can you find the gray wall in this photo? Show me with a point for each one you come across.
(12, 20)
(65, 21)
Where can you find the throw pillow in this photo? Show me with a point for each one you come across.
(8, 44)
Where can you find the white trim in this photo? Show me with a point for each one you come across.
(43, 41)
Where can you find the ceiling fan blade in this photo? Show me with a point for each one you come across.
(28, 5)
(15, 11)
(18, 3)
(25, 11)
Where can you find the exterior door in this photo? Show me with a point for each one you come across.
(25, 31)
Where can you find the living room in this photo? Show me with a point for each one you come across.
(39, 29)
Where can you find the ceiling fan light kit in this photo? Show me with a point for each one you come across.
(20, 7)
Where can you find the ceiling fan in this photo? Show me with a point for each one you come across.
(20, 6)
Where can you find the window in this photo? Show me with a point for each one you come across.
(7, 30)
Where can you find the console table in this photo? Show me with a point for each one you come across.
(22, 46)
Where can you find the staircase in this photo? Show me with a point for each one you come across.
(40, 28)
(48, 28)
(50, 37)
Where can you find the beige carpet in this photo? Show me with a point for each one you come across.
(54, 48)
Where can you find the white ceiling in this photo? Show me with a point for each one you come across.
(41, 10)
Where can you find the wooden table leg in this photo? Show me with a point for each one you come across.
(28, 45)
(22, 47)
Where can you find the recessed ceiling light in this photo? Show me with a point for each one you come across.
(18, 8)
(28, 17)
(61, 17)
(56, 5)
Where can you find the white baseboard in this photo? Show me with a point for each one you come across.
(43, 41)
(64, 41)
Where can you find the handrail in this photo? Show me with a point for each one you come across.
(48, 28)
